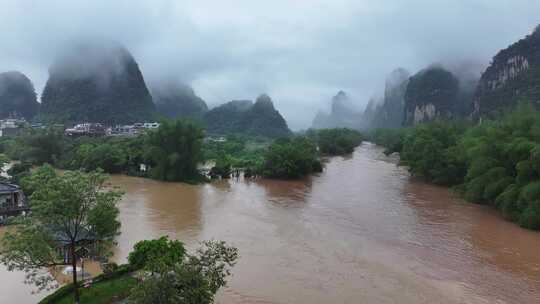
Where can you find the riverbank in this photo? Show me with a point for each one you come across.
(105, 288)
(495, 163)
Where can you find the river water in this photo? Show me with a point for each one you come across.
(362, 231)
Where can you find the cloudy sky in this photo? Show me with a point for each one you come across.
(300, 52)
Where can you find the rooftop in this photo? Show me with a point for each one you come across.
(5, 187)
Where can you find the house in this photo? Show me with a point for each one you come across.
(86, 129)
(86, 245)
(126, 130)
(151, 125)
(12, 201)
(11, 126)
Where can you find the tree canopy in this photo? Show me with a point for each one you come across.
(66, 209)
(494, 163)
(177, 277)
(338, 141)
(175, 150)
(290, 158)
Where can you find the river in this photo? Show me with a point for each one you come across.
(363, 231)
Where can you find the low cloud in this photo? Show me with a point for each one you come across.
(300, 52)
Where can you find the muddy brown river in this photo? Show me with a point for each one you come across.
(361, 232)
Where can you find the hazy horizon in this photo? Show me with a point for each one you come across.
(301, 52)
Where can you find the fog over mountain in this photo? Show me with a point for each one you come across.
(301, 53)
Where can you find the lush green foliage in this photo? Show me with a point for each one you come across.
(113, 155)
(66, 208)
(290, 158)
(391, 139)
(495, 163)
(18, 171)
(503, 160)
(236, 151)
(172, 151)
(175, 150)
(41, 146)
(338, 141)
(430, 152)
(194, 279)
(156, 254)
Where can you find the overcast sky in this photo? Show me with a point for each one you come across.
(300, 52)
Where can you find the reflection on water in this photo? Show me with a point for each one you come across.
(362, 231)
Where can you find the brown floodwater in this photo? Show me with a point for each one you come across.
(362, 231)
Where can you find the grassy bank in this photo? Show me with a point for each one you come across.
(106, 288)
(108, 291)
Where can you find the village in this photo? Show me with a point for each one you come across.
(13, 127)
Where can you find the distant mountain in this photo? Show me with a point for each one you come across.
(342, 114)
(390, 113)
(513, 75)
(96, 82)
(17, 96)
(245, 117)
(175, 100)
(431, 93)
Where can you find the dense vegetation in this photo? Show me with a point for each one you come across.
(339, 141)
(159, 271)
(172, 275)
(17, 96)
(170, 153)
(494, 163)
(244, 117)
(96, 83)
(290, 158)
(67, 210)
(175, 150)
(235, 152)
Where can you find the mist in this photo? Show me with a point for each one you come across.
(300, 52)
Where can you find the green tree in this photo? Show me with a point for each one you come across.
(42, 146)
(338, 141)
(65, 209)
(194, 279)
(156, 254)
(290, 158)
(175, 150)
(430, 152)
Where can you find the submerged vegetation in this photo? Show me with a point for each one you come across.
(170, 153)
(175, 150)
(338, 141)
(290, 158)
(496, 163)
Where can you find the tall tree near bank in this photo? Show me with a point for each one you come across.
(173, 276)
(175, 149)
(65, 208)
